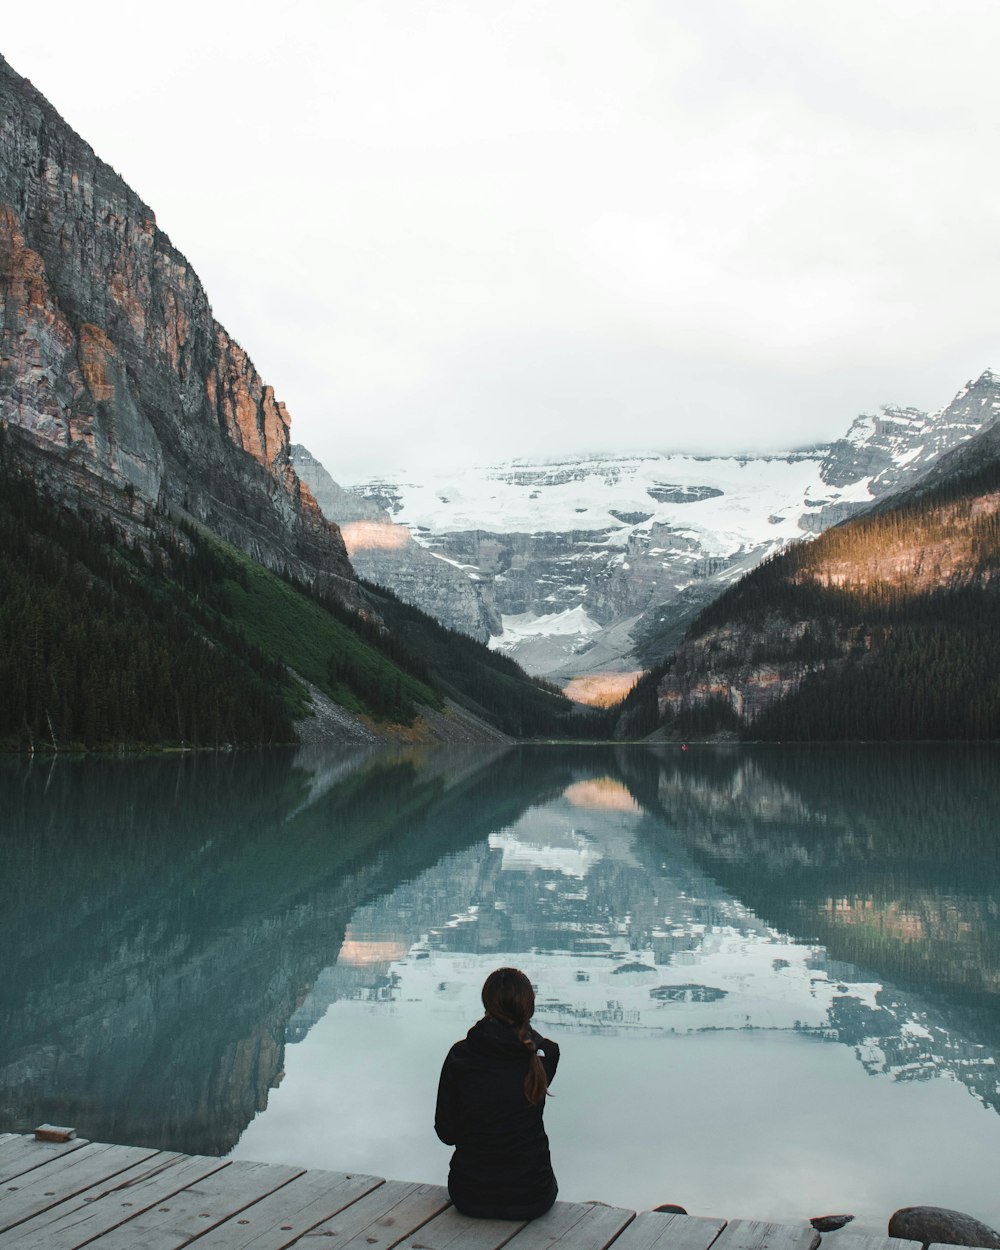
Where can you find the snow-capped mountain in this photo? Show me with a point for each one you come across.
(628, 940)
(596, 564)
(387, 554)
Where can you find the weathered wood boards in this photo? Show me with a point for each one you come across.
(103, 1207)
(22, 1154)
(57, 1181)
(383, 1218)
(284, 1216)
(75, 1194)
(656, 1230)
(859, 1241)
(757, 1235)
(573, 1226)
(453, 1231)
(201, 1207)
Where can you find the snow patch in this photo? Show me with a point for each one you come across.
(522, 625)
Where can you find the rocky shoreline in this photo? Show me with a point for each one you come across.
(927, 1225)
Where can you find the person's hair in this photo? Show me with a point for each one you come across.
(509, 998)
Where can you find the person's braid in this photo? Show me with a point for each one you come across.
(509, 998)
(536, 1084)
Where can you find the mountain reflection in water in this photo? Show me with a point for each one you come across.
(173, 931)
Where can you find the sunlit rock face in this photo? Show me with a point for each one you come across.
(922, 543)
(111, 361)
(386, 553)
(890, 449)
(597, 564)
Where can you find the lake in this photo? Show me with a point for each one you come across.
(774, 972)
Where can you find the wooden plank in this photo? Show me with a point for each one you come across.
(860, 1241)
(383, 1218)
(576, 1225)
(194, 1211)
(670, 1232)
(98, 1210)
(23, 1154)
(46, 1187)
(452, 1231)
(758, 1235)
(284, 1216)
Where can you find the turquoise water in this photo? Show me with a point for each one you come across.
(774, 973)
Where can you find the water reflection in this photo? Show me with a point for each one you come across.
(734, 895)
(162, 918)
(174, 930)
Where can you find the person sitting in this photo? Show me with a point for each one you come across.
(490, 1101)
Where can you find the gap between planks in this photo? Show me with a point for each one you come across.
(68, 1195)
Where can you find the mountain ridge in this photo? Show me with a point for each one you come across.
(597, 563)
(111, 357)
(147, 470)
(885, 626)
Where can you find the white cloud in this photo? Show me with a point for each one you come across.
(465, 229)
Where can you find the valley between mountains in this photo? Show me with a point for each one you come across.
(590, 570)
(176, 571)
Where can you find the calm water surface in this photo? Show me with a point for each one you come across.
(774, 973)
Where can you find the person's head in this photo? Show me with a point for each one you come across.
(509, 998)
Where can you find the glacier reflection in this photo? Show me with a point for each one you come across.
(775, 972)
(715, 898)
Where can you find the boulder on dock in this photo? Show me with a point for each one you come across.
(938, 1224)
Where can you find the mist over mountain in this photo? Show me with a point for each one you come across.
(886, 626)
(149, 473)
(592, 566)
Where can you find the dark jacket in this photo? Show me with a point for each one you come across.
(501, 1167)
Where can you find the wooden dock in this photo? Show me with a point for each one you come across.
(64, 1195)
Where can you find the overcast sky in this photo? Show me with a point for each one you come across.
(484, 229)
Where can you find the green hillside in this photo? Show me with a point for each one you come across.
(489, 684)
(122, 628)
(884, 627)
(140, 633)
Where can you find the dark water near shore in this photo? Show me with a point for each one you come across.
(774, 973)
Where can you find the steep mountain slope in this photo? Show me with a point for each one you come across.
(120, 627)
(598, 564)
(887, 626)
(492, 686)
(166, 576)
(110, 356)
(387, 554)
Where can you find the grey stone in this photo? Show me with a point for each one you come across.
(830, 1223)
(941, 1225)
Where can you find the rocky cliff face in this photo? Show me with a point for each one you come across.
(110, 357)
(914, 579)
(578, 552)
(386, 553)
(597, 565)
(890, 449)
